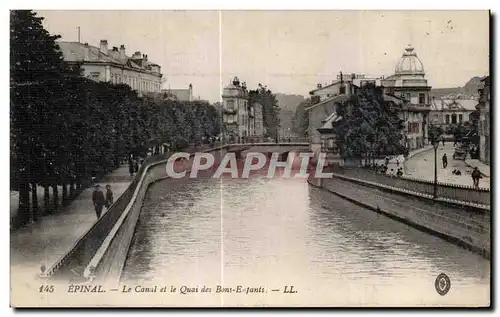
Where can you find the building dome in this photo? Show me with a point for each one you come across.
(409, 63)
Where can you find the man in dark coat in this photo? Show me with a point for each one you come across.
(476, 175)
(109, 196)
(445, 160)
(98, 200)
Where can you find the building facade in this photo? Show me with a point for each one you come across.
(448, 112)
(322, 113)
(114, 66)
(484, 127)
(409, 83)
(241, 120)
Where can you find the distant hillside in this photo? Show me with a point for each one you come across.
(469, 89)
(289, 102)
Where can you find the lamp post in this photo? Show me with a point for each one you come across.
(435, 144)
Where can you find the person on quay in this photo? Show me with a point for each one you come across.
(109, 196)
(445, 160)
(476, 176)
(98, 200)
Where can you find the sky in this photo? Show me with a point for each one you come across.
(289, 51)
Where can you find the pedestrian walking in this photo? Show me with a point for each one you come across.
(400, 172)
(109, 196)
(476, 175)
(131, 168)
(443, 142)
(98, 200)
(445, 161)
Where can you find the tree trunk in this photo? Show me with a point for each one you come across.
(55, 197)
(34, 201)
(72, 189)
(24, 203)
(46, 199)
(65, 198)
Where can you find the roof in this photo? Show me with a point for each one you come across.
(323, 87)
(80, 52)
(328, 122)
(454, 104)
(409, 63)
(338, 98)
(179, 94)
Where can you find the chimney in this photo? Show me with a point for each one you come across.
(190, 91)
(137, 55)
(122, 52)
(86, 51)
(104, 46)
(319, 86)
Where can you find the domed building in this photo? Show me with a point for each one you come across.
(409, 83)
(240, 119)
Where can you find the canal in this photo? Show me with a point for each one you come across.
(272, 233)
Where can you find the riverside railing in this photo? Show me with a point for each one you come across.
(452, 192)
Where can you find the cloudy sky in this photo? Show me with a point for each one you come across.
(290, 51)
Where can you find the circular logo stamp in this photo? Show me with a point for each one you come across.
(442, 284)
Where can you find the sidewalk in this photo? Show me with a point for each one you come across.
(483, 168)
(421, 166)
(47, 240)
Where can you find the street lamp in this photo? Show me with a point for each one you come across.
(435, 144)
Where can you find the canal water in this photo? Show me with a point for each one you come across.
(266, 234)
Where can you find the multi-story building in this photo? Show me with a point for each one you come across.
(241, 119)
(322, 113)
(113, 65)
(484, 127)
(179, 94)
(410, 84)
(448, 112)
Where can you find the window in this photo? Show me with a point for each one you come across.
(447, 119)
(460, 118)
(421, 98)
(230, 104)
(453, 118)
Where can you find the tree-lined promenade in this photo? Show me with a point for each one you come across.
(66, 129)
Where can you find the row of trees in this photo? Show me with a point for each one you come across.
(371, 126)
(66, 129)
(300, 120)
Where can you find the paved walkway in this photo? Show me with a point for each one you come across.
(47, 240)
(421, 166)
(484, 168)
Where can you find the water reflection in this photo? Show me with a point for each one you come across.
(281, 231)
